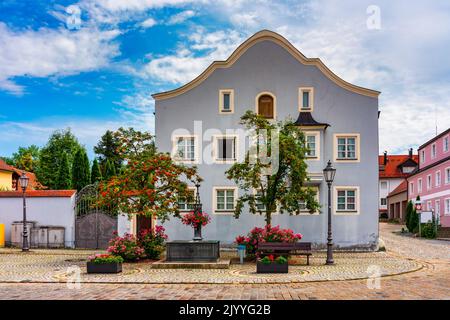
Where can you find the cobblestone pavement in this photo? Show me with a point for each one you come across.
(432, 281)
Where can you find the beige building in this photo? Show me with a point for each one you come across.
(397, 201)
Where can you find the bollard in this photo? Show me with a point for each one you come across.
(241, 251)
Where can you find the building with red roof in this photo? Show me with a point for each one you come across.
(393, 170)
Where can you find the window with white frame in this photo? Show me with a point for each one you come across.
(422, 156)
(433, 151)
(313, 144)
(303, 205)
(419, 185)
(447, 175)
(447, 206)
(383, 201)
(429, 206)
(437, 178)
(187, 204)
(429, 182)
(185, 148)
(347, 147)
(226, 101)
(445, 144)
(437, 208)
(306, 99)
(225, 199)
(411, 187)
(225, 148)
(346, 199)
(383, 185)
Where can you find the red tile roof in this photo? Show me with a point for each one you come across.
(391, 169)
(5, 167)
(38, 193)
(402, 187)
(33, 183)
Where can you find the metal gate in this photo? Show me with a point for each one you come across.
(94, 225)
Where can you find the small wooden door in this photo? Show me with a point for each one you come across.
(143, 223)
(265, 106)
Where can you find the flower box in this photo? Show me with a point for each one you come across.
(114, 267)
(272, 267)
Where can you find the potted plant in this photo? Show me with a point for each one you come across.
(196, 220)
(270, 264)
(104, 263)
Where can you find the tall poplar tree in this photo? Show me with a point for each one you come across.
(80, 170)
(63, 180)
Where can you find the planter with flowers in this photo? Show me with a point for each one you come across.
(270, 264)
(196, 220)
(104, 263)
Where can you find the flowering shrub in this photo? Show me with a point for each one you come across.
(270, 258)
(266, 234)
(152, 241)
(105, 258)
(195, 219)
(126, 247)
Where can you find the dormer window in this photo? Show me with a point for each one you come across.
(306, 99)
(226, 101)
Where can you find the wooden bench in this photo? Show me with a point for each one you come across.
(282, 248)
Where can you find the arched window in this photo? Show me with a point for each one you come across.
(266, 106)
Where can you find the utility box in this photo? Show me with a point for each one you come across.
(47, 237)
(16, 233)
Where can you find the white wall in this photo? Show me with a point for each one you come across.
(46, 211)
(392, 183)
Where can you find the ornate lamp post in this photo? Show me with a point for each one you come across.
(197, 209)
(329, 173)
(23, 181)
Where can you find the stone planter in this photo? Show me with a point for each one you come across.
(272, 267)
(104, 267)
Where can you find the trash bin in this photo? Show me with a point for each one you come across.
(241, 252)
(2, 235)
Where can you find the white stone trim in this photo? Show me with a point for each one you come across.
(214, 199)
(317, 135)
(196, 149)
(357, 200)
(221, 94)
(215, 152)
(311, 99)
(357, 146)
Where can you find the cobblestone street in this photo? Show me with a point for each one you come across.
(423, 264)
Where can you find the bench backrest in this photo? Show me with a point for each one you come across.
(284, 246)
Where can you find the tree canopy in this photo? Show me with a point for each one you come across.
(107, 149)
(279, 184)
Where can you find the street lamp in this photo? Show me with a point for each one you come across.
(23, 181)
(329, 173)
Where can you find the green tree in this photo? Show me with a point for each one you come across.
(80, 170)
(96, 175)
(107, 149)
(409, 212)
(59, 142)
(110, 170)
(26, 158)
(134, 143)
(283, 187)
(414, 219)
(63, 180)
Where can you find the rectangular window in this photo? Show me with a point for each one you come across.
(347, 147)
(447, 175)
(445, 144)
(383, 201)
(447, 206)
(226, 101)
(411, 187)
(437, 177)
(422, 157)
(187, 204)
(303, 205)
(225, 148)
(429, 182)
(185, 148)
(306, 99)
(347, 199)
(419, 185)
(311, 145)
(383, 185)
(437, 208)
(433, 151)
(225, 199)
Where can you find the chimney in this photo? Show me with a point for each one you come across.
(385, 158)
(410, 153)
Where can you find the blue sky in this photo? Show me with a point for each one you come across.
(92, 64)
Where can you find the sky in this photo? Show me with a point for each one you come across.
(92, 65)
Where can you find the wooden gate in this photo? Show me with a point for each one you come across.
(94, 225)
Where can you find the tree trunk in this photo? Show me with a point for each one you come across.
(268, 217)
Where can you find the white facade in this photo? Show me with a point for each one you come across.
(386, 186)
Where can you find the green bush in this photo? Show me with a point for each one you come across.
(428, 230)
(152, 241)
(105, 258)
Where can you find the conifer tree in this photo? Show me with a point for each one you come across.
(80, 170)
(63, 180)
(96, 175)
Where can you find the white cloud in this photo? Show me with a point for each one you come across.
(148, 23)
(50, 52)
(181, 17)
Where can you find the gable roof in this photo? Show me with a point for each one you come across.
(5, 167)
(266, 35)
(402, 187)
(394, 164)
(434, 139)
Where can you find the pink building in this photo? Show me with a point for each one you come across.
(432, 179)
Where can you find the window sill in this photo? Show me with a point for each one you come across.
(224, 212)
(347, 212)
